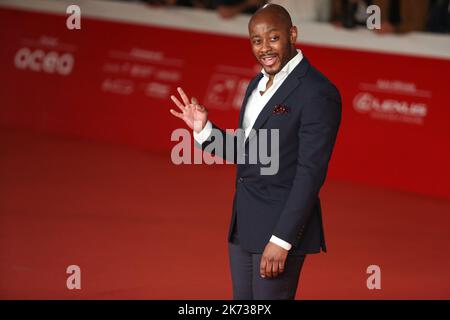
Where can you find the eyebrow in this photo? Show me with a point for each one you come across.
(257, 36)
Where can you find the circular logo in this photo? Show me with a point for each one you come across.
(363, 102)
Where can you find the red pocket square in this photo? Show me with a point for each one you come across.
(280, 109)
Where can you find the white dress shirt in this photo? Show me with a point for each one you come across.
(255, 104)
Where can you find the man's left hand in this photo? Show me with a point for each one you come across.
(272, 261)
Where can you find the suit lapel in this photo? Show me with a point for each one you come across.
(249, 91)
(289, 84)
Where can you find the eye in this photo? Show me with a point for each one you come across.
(256, 41)
(274, 38)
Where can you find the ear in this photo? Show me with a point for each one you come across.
(293, 34)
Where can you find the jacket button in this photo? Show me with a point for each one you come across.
(241, 179)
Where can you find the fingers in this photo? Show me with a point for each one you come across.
(183, 96)
(275, 265)
(176, 114)
(200, 108)
(271, 268)
(187, 108)
(265, 268)
(281, 267)
(262, 267)
(178, 103)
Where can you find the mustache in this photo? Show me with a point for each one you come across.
(267, 55)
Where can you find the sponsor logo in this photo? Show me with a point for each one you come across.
(390, 109)
(118, 86)
(41, 61)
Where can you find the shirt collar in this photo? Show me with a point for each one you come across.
(289, 66)
(287, 69)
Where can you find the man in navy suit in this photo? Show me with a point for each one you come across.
(276, 219)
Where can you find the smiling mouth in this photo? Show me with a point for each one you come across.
(269, 61)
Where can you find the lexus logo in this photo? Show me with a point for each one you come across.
(363, 102)
(367, 103)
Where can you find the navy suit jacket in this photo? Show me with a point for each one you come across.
(287, 203)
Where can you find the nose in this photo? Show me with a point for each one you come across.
(266, 46)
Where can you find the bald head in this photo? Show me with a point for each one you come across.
(273, 13)
(272, 37)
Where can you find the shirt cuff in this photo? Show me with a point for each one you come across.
(281, 243)
(203, 135)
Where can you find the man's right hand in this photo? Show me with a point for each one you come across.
(193, 114)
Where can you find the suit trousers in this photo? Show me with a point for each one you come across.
(247, 281)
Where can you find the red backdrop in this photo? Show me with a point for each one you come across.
(112, 81)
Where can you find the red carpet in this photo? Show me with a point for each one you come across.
(142, 228)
